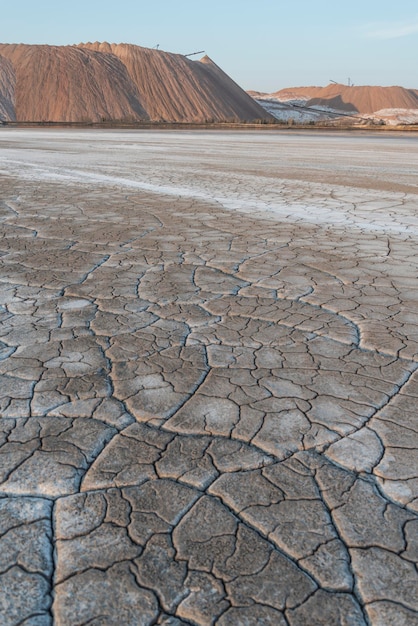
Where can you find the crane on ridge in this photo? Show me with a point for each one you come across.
(193, 53)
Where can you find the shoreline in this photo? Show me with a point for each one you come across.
(215, 126)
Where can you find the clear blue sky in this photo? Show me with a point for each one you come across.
(262, 44)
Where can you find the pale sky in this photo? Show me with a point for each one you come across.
(264, 45)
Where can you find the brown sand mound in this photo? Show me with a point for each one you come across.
(66, 84)
(175, 88)
(7, 88)
(96, 82)
(364, 99)
(257, 94)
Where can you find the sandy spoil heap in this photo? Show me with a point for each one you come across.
(363, 99)
(96, 82)
(67, 84)
(174, 88)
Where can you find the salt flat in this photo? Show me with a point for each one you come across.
(208, 359)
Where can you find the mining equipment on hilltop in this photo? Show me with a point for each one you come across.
(193, 53)
(349, 83)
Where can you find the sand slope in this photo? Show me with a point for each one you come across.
(96, 82)
(7, 87)
(175, 88)
(64, 83)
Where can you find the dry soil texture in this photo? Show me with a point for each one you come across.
(209, 355)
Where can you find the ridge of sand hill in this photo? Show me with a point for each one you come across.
(257, 94)
(174, 88)
(96, 82)
(67, 84)
(362, 99)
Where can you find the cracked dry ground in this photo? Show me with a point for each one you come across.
(206, 418)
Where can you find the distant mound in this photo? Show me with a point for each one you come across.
(364, 99)
(257, 94)
(97, 82)
(321, 103)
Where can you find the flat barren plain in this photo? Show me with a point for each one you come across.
(209, 378)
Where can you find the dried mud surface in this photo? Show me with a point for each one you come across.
(208, 379)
